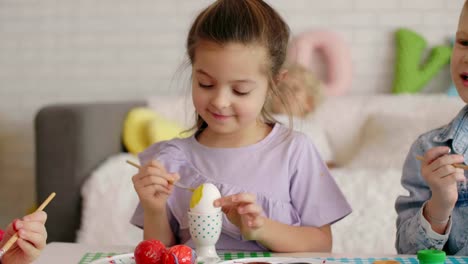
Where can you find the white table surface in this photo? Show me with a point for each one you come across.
(72, 253)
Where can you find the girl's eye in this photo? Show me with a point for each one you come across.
(240, 93)
(205, 85)
(463, 42)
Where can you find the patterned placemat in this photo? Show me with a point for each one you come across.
(403, 260)
(91, 256)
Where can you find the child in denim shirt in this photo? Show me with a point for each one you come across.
(435, 214)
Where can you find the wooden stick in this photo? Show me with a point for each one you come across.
(13, 239)
(171, 182)
(133, 164)
(461, 166)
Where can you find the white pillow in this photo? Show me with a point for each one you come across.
(386, 138)
(109, 201)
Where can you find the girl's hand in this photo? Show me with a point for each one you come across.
(438, 171)
(32, 236)
(243, 211)
(153, 185)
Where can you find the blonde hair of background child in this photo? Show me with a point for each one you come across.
(302, 76)
(250, 22)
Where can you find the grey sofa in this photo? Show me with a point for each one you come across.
(70, 141)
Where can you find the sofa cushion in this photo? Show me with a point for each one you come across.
(343, 117)
(386, 138)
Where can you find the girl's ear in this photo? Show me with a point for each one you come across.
(281, 76)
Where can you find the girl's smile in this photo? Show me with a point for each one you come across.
(464, 79)
(220, 117)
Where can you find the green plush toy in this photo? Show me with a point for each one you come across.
(410, 74)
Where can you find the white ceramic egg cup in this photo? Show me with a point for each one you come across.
(205, 230)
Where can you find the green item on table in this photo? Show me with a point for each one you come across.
(431, 256)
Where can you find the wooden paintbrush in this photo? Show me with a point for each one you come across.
(174, 183)
(461, 166)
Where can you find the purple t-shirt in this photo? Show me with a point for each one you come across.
(284, 171)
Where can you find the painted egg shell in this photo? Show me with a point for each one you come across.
(203, 198)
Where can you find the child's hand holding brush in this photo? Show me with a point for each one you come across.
(31, 240)
(25, 238)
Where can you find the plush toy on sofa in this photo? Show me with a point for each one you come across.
(306, 89)
(410, 74)
(143, 127)
(327, 48)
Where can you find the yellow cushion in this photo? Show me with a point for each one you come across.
(143, 127)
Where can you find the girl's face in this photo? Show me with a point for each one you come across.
(229, 85)
(459, 61)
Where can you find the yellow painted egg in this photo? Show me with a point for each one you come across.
(203, 198)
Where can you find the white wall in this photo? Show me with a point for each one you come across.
(66, 50)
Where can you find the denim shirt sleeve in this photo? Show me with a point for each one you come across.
(427, 226)
(412, 235)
